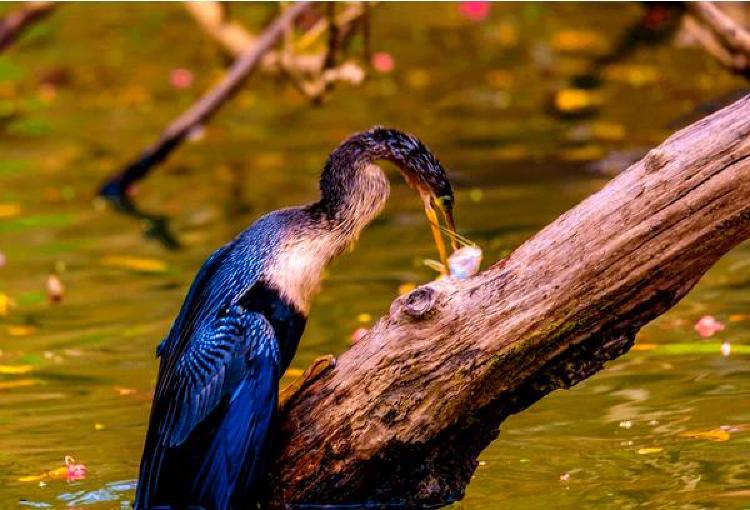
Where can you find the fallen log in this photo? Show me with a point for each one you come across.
(407, 410)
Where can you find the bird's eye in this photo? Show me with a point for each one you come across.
(445, 200)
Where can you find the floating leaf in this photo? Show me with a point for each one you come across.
(649, 451)
(60, 473)
(135, 263)
(15, 369)
(294, 372)
(364, 317)
(636, 75)
(710, 435)
(576, 100)
(20, 330)
(6, 304)
(20, 383)
(9, 210)
(578, 41)
(125, 391)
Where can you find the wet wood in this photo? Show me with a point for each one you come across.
(407, 410)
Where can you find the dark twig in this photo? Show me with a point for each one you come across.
(12, 25)
(206, 107)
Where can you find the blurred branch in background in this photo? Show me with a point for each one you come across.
(720, 35)
(312, 74)
(12, 25)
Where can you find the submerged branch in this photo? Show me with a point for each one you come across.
(407, 410)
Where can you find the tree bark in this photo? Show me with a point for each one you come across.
(407, 410)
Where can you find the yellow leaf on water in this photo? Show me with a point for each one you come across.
(21, 383)
(584, 153)
(648, 451)
(9, 210)
(364, 317)
(135, 263)
(710, 435)
(636, 75)
(21, 330)
(6, 303)
(578, 40)
(125, 391)
(736, 317)
(61, 472)
(15, 369)
(643, 347)
(574, 100)
(608, 131)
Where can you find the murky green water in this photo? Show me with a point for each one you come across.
(76, 377)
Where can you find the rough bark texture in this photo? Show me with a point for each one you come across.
(407, 410)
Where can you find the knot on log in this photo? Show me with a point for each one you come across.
(418, 304)
(655, 160)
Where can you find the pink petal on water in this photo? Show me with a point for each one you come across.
(383, 62)
(181, 78)
(708, 326)
(3, 259)
(74, 471)
(475, 11)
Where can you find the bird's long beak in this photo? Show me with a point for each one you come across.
(435, 227)
(450, 224)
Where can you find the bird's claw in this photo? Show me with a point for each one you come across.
(318, 367)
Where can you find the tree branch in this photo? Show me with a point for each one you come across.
(202, 110)
(720, 36)
(12, 25)
(406, 411)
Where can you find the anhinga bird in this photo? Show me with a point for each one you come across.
(217, 391)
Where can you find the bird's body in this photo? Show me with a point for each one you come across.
(216, 395)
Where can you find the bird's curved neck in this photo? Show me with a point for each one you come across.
(352, 187)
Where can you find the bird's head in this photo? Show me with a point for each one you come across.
(424, 172)
(348, 179)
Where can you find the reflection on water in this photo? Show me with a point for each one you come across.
(666, 428)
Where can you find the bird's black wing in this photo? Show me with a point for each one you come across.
(211, 414)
